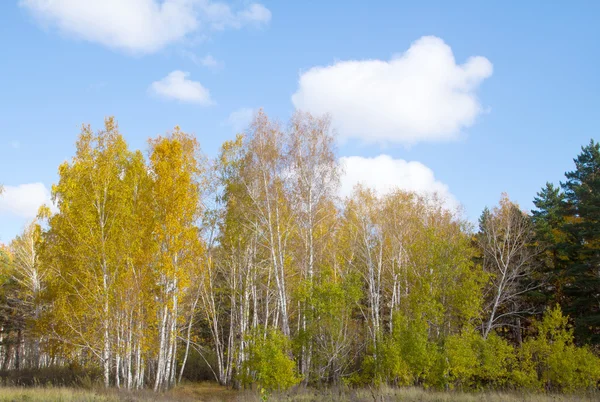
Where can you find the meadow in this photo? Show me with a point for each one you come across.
(208, 391)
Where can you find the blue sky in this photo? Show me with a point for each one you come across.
(507, 121)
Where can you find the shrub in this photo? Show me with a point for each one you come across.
(462, 355)
(406, 356)
(551, 360)
(475, 362)
(496, 361)
(269, 362)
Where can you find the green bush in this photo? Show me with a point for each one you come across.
(552, 361)
(462, 355)
(549, 360)
(497, 360)
(269, 362)
(406, 357)
(475, 362)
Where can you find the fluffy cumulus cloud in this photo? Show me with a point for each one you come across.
(177, 86)
(141, 26)
(384, 174)
(420, 95)
(24, 200)
(239, 119)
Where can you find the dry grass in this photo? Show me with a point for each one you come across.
(414, 394)
(52, 394)
(213, 392)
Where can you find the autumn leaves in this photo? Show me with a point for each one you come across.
(252, 264)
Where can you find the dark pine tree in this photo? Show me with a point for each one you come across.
(548, 220)
(582, 227)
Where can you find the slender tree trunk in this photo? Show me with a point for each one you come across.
(106, 348)
(161, 351)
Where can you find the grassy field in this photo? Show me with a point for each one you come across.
(213, 392)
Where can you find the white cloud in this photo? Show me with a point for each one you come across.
(177, 86)
(255, 14)
(385, 174)
(420, 95)
(24, 200)
(141, 26)
(240, 119)
(221, 16)
(207, 61)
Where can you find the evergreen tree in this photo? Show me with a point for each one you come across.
(582, 226)
(548, 220)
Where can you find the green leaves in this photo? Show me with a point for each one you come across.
(552, 361)
(475, 362)
(274, 280)
(269, 363)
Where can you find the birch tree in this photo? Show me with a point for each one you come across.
(84, 241)
(232, 313)
(363, 220)
(176, 170)
(314, 185)
(266, 179)
(505, 238)
(135, 297)
(30, 280)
